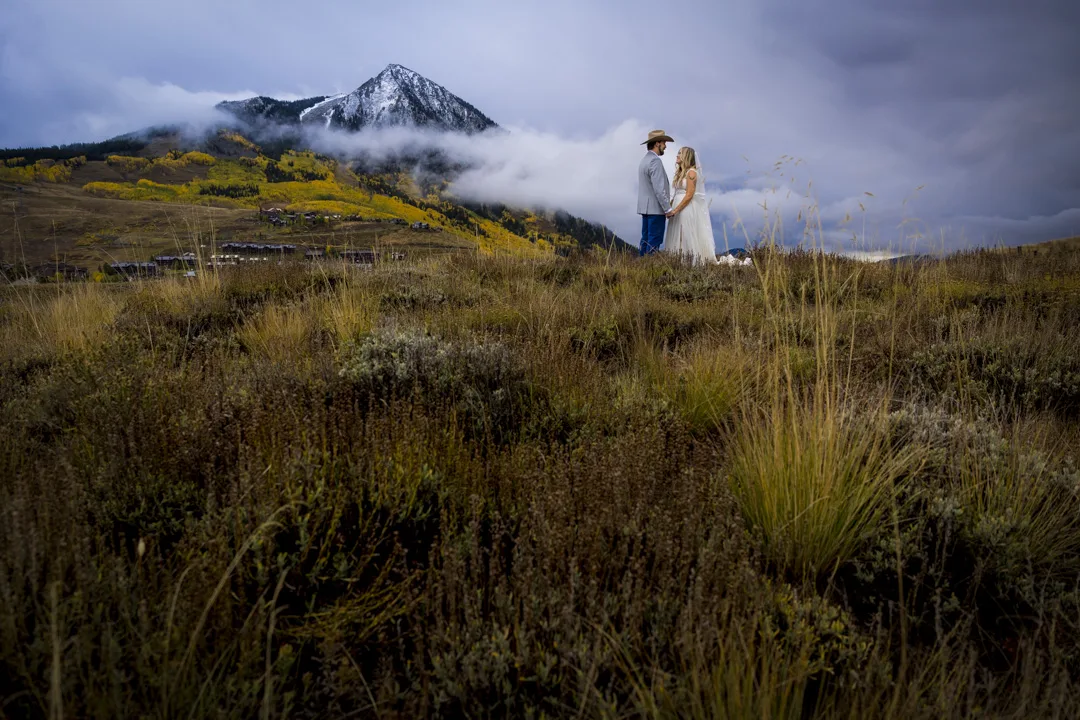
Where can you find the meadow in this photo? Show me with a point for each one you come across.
(89, 213)
(595, 486)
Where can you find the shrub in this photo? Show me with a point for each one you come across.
(482, 383)
(1014, 508)
(411, 297)
(707, 387)
(1006, 374)
(693, 284)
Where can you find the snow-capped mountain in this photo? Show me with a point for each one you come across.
(395, 97)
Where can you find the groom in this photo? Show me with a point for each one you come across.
(654, 193)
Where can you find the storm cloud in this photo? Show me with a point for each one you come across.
(921, 125)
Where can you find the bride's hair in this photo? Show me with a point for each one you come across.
(686, 160)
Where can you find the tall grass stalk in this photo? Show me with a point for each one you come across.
(815, 480)
(814, 474)
(68, 318)
(750, 675)
(280, 334)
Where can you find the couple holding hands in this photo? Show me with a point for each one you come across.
(685, 215)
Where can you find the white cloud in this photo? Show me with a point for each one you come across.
(134, 103)
(595, 178)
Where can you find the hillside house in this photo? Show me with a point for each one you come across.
(360, 257)
(132, 270)
(250, 248)
(59, 271)
(223, 260)
(176, 262)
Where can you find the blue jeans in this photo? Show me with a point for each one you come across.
(652, 233)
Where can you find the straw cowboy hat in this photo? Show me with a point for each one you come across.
(658, 135)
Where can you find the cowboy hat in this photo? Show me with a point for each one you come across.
(656, 135)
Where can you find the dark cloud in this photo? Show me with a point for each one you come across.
(985, 92)
(974, 101)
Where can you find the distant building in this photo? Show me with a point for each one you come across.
(187, 260)
(132, 270)
(257, 248)
(223, 260)
(360, 257)
(420, 226)
(59, 270)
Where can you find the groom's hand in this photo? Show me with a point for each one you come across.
(671, 213)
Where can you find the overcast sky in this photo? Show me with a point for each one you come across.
(976, 103)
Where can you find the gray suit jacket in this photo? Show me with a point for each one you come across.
(654, 189)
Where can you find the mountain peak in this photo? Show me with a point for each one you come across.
(396, 97)
(395, 69)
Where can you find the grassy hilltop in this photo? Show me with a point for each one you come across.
(510, 487)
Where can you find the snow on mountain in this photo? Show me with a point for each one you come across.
(304, 113)
(395, 97)
(264, 110)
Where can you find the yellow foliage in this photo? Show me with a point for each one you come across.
(198, 158)
(44, 170)
(328, 207)
(323, 196)
(242, 170)
(293, 161)
(143, 190)
(126, 163)
(171, 163)
(239, 140)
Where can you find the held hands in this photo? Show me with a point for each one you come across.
(672, 212)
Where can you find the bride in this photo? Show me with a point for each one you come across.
(689, 230)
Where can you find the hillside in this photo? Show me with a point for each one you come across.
(167, 197)
(1059, 246)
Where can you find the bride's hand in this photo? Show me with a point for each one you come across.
(671, 213)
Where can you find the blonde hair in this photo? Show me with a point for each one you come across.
(685, 161)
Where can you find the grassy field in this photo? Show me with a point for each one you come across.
(599, 486)
(61, 222)
(127, 208)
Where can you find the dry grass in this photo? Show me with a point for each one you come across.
(65, 319)
(816, 481)
(589, 487)
(347, 313)
(279, 334)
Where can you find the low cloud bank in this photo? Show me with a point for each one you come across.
(595, 177)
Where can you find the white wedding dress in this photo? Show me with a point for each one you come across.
(689, 233)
